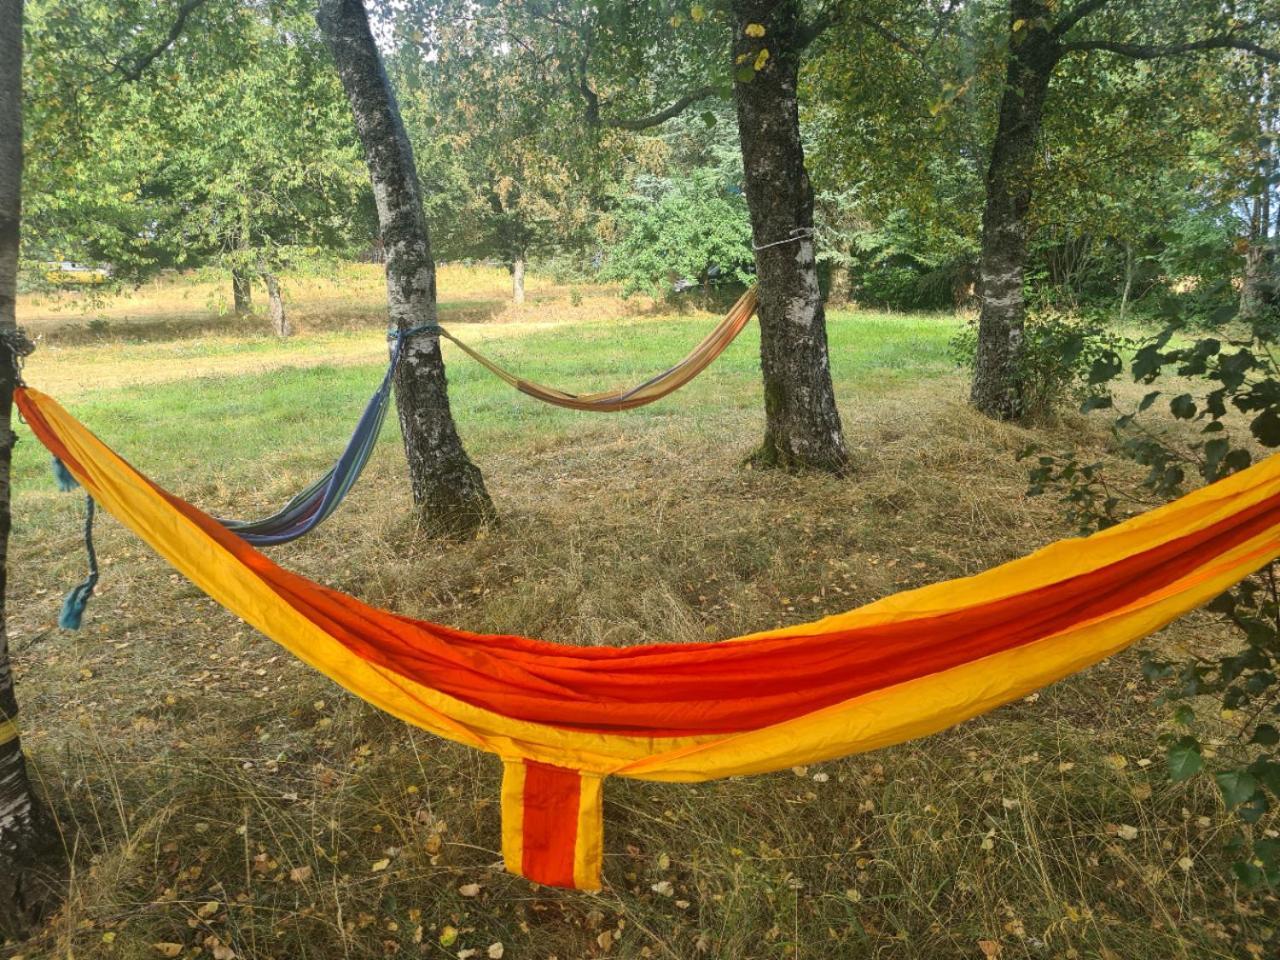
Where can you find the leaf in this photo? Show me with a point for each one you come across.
(761, 59)
(1266, 427)
(990, 948)
(496, 950)
(469, 890)
(755, 30)
(300, 874)
(448, 936)
(1184, 759)
(1127, 831)
(166, 949)
(1266, 735)
(663, 888)
(1237, 786)
(379, 865)
(1183, 407)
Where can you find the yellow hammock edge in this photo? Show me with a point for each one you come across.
(544, 840)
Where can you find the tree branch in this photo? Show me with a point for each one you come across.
(896, 40)
(1141, 51)
(1076, 14)
(820, 24)
(662, 116)
(133, 73)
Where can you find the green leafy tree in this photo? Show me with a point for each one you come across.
(236, 150)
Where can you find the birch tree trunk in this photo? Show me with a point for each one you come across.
(241, 291)
(802, 424)
(275, 306)
(447, 487)
(29, 859)
(517, 279)
(997, 389)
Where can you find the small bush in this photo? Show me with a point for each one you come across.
(1059, 352)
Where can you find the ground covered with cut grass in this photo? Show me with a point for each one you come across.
(219, 798)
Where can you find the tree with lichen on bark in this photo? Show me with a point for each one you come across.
(448, 489)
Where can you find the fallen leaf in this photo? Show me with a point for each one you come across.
(469, 890)
(1127, 832)
(496, 950)
(300, 874)
(167, 949)
(380, 865)
(448, 936)
(990, 948)
(663, 888)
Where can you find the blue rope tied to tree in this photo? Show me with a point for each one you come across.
(295, 519)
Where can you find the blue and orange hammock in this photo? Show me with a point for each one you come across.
(564, 718)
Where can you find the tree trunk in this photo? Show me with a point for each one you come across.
(29, 858)
(840, 287)
(517, 279)
(802, 424)
(275, 306)
(1033, 53)
(1128, 280)
(447, 487)
(1258, 289)
(242, 291)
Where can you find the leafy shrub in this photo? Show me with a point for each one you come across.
(695, 229)
(1191, 433)
(1059, 352)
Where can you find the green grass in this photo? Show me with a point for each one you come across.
(218, 795)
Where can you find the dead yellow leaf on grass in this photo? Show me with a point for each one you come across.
(990, 948)
(380, 865)
(167, 949)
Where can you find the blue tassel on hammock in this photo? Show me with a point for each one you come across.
(73, 606)
(66, 482)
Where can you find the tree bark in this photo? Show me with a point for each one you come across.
(242, 291)
(1258, 288)
(275, 306)
(802, 424)
(997, 388)
(448, 489)
(517, 278)
(29, 858)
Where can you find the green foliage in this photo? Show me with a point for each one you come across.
(1060, 353)
(234, 147)
(1214, 400)
(692, 229)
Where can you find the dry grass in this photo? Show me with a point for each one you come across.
(220, 796)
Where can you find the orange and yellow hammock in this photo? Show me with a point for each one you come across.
(563, 718)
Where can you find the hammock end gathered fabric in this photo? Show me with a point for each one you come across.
(73, 604)
(66, 482)
(552, 824)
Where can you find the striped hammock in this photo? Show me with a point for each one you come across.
(563, 718)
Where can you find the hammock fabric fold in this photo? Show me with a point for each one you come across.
(563, 718)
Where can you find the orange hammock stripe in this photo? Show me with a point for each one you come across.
(655, 388)
(563, 717)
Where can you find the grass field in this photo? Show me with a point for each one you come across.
(219, 798)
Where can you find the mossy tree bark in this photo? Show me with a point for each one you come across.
(802, 424)
(447, 487)
(30, 858)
